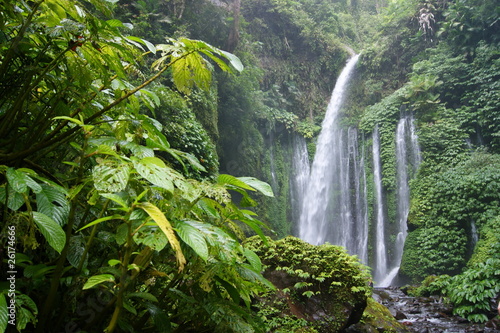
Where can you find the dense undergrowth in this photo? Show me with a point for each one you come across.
(90, 114)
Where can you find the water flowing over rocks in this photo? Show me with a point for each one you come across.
(428, 314)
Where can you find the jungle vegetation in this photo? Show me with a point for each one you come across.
(133, 135)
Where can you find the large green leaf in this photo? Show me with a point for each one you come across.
(154, 170)
(51, 230)
(259, 185)
(17, 180)
(152, 237)
(98, 279)
(111, 176)
(191, 235)
(16, 200)
(225, 179)
(253, 259)
(52, 202)
(190, 69)
(156, 214)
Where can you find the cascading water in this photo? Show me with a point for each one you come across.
(331, 197)
(358, 183)
(329, 213)
(380, 249)
(407, 159)
(300, 175)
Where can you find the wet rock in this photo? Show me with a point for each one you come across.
(400, 315)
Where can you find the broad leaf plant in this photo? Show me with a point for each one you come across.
(109, 235)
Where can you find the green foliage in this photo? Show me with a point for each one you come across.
(443, 208)
(102, 203)
(301, 272)
(468, 22)
(377, 315)
(185, 133)
(431, 285)
(489, 237)
(471, 291)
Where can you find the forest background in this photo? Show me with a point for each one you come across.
(127, 158)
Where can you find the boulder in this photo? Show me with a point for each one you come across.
(318, 288)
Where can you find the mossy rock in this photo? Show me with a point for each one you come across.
(377, 318)
(319, 288)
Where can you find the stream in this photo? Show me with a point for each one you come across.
(428, 314)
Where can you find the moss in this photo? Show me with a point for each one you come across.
(321, 286)
(377, 318)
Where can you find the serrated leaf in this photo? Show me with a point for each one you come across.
(98, 279)
(114, 23)
(154, 170)
(51, 230)
(156, 214)
(192, 237)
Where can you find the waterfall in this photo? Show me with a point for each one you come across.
(330, 195)
(358, 183)
(408, 158)
(380, 250)
(334, 206)
(300, 175)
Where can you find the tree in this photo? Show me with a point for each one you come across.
(101, 220)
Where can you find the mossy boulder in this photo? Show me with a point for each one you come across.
(318, 288)
(377, 318)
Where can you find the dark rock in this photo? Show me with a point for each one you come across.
(400, 315)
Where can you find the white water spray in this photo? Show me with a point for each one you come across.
(329, 213)
(380, 250)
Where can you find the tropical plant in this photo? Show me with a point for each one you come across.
(109, 233)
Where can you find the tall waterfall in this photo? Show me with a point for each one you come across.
(329, 211)
(330, 196)
(380, 249)
(407, 160)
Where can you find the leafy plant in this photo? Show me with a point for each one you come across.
(103, 210)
